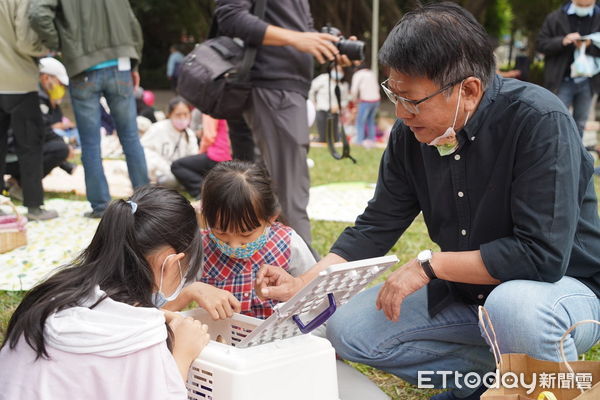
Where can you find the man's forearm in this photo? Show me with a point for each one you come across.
(462, 267)
(276, 36)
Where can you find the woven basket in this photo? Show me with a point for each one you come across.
(13, 233)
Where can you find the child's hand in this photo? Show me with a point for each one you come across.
(219, 303)
(273, 282)
(190, 336)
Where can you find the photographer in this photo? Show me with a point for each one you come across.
(281, 78)
(560, 35)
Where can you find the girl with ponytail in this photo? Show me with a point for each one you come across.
(93, 329)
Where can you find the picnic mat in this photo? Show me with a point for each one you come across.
(56, 242)
(341, 202)
(50, 244)
(114, 170)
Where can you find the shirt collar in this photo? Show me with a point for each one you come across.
(471, 129)
(571, 10)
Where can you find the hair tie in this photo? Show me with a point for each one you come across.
(133, 206)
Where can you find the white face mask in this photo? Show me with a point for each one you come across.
(447, 143)
(583, 11)
(336, 75)
(158, 298)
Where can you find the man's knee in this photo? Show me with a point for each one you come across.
(519, 315)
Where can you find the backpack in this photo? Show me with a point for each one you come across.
(215, 76)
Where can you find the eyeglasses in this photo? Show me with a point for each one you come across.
(412, 106)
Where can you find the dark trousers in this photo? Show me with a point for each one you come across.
(240, 137)
(54, 153)
(191, 170)
(321, 119)
(280, 129)
(21, 112)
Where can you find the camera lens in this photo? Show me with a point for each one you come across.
(353, 49)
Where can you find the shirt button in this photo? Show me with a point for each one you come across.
(472, 138)
(480, 296)
(457, 157)
(461, 194)
(463, 232)
(246, 294)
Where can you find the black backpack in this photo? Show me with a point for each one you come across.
(215, 76)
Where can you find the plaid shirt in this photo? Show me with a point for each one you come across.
(238, 275)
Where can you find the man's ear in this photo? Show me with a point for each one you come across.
(472, 93)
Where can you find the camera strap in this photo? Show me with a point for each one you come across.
(331, 123)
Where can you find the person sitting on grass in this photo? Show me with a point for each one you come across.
(93, 330)
(509, 198)
(214, 148)
(169, 140)
(242, 233)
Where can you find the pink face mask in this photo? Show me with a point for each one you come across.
(180, 124)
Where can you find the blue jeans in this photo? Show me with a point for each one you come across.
(117, 87)
(577, 93)
(529, 317)
(365, 121)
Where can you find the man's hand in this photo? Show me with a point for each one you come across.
(275, 283)
(579, 43)
(135, 77)
(571, 38)
(404, 281)
(320, 45)
(219, 303)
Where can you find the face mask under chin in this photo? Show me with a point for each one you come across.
(447, 143)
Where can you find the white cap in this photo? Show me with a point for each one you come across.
(52, 66)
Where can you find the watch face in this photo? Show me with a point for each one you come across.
(424, 255)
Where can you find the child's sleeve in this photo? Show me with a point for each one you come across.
(301, 259)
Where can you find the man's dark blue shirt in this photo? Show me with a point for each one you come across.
(519, 189)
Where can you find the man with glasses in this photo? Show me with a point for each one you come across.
(499, 173)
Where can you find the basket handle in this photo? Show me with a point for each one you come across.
(484, 320)
(5, 201)
(319, 319)
(562, 340)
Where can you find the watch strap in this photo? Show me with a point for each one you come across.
(426, 265)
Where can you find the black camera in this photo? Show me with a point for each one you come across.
(353, 49)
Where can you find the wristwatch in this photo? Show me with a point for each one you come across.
(424, 259)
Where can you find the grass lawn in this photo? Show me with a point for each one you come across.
(328, 170)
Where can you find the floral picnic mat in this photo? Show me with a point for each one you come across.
(50, 244)
(53, 243)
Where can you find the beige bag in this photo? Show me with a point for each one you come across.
(578, 380)
(13, 231)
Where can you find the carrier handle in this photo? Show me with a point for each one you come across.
(319, 319)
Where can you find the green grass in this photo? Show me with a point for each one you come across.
(328, 170)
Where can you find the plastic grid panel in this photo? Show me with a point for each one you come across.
(343, 280)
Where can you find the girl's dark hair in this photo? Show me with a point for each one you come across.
(237, 197)
(442, 42)
(115, 260)
(174, 102)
